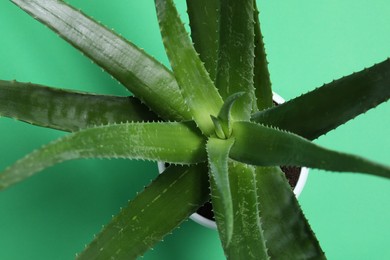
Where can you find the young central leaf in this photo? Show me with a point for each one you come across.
(226, 111)
(222, 123)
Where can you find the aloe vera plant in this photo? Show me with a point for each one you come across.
(211, 117)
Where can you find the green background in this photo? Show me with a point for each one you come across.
(54, 214)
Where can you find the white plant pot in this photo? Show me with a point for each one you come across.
(297, 189)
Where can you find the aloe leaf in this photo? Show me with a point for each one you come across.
(248, 239)
(128, 140)
(219, 129)
(198, 90)
(172, 197)
(236, 52)
(67, 110)
(224, 115)
(204, 24)
(263, 146)
(288, 234)
(218, 151)
(321, 110)
(145, 77)
(262, 81)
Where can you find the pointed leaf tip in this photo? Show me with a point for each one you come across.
(219, 131)
(225, 116)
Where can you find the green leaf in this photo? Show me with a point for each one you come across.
(236, 52)
(263, 146)
(219, 131)
(224, 115)
(218, 152)
(248, 239)
(67, 110)
(204, 24)
(198, 90)
(223, 123)
(145, 77)
(288, 234)
(319, 111)
(262, 81)
(150, 141)
(139, 225)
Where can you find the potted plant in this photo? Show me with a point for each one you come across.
(296, 177)
(229, 122)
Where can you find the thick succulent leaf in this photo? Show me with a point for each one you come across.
(145, 77)
(204, 24)
(218, 154)
(67, 110)
(197, 88)
(218, 128)
(263, 146)
(248, 240)
(154, 213)
(150, 141)
(225, 116)
(262, 81)
(236, 52)
(288, 234)
(321, 110)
